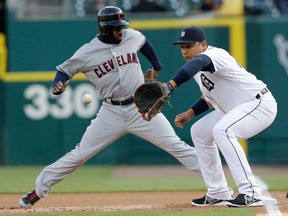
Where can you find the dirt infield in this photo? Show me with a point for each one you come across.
(133, 201)
(107, 202)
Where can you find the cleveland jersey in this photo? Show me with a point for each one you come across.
(114, 69)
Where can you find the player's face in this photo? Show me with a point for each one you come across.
(189, 51)
(118, 32)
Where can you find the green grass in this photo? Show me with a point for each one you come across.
(276, 183)
(20, 179)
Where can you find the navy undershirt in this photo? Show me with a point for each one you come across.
(60, 76)
(148, 51)
(199, 63)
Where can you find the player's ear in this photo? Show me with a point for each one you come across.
(204, 45)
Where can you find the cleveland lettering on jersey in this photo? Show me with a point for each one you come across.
(122, 60)
(129, 59)
(104, 68)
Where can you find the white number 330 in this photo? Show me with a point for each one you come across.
(42, 103)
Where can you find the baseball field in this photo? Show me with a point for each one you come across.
(133, 190)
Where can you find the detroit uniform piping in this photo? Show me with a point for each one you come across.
(258, 96)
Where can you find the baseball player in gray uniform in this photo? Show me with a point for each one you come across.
(111, 63)
(243, 107)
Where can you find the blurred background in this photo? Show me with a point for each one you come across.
(38, 35)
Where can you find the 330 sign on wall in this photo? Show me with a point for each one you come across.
(42, 103)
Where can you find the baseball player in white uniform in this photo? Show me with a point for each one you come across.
(111, 63)
(243, 107)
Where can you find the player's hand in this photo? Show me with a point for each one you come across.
(151, 74)
(183, 118)
(59, 87)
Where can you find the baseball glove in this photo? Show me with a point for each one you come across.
(150, 98)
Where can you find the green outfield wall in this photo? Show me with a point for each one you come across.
(38, 128)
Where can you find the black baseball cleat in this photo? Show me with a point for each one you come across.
(29, 199)
(243, 200)
(208, 201)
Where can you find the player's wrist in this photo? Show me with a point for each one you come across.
(168, 88)
(173, 84)
(190, 112)
(199, 107)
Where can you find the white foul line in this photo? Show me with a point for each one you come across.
(271, 209)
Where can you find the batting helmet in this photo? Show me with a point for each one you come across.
(110, 16)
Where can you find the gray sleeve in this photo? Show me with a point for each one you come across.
(74, 64)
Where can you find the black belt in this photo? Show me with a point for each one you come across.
(261, 93)
(119, 102)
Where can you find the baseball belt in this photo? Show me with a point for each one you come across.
(119, 102)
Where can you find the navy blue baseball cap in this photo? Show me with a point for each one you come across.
(191, 34)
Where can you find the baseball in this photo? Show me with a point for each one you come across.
(87, 98)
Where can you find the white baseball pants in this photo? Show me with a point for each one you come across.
(217, 129)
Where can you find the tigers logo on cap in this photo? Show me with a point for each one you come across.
(191, 34)
(182, 34)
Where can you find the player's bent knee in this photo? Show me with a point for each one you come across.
(219, 131)
(197, 131)
(201, 129)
